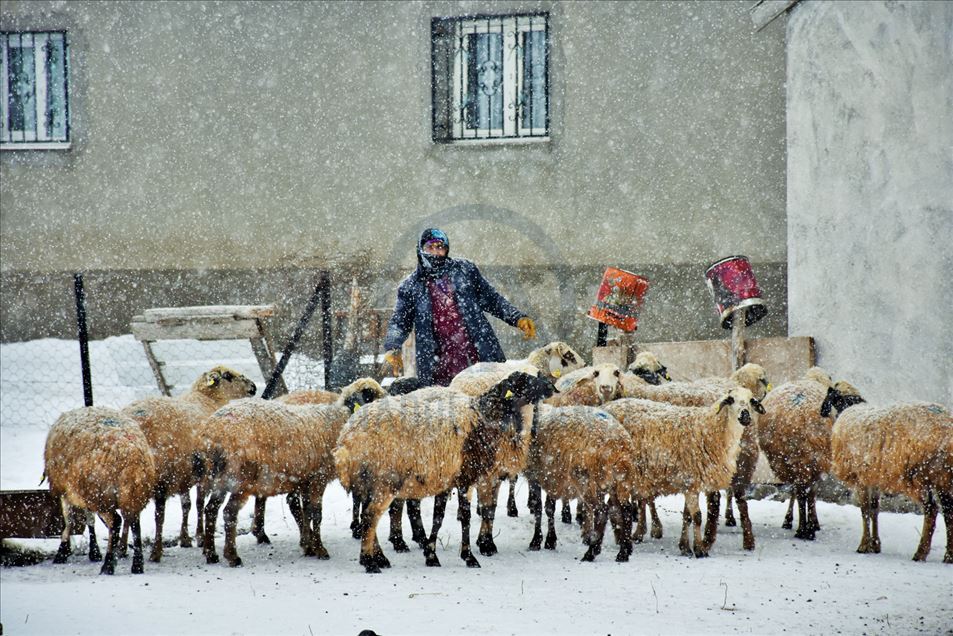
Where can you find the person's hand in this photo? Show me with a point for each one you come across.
(527, 326)
(396, 363)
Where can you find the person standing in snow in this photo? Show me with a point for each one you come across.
(444, 301)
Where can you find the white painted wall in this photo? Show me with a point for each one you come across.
(870, 193)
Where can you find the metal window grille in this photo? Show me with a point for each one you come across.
(490, 77)
(34, 89)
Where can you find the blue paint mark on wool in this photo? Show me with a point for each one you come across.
(798, 399)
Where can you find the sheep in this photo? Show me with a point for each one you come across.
(686, 449)
(583, 452)
(265, 448)
(98, 459)
(588, 386)
(171, 426)
(797, 443)
(904, 448)
(422, 446)
(552, 360)
(647, 367)
(700, 393)
(309, 396)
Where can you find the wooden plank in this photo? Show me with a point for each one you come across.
(610, 354)
(764, 12)
(238, 312)
(35, 514)
(783, 359)
(266, 362)
(198, 329)
(156, 369)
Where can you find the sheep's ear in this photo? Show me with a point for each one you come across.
(212, 378)
(728, 401)
(569, 357)
(509, 394)
(756, 405)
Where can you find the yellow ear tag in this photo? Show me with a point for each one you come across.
(356, 406)
(557, 373)
(211, 381)
(508, 395)
(769, 387)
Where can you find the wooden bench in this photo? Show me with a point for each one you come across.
(214, 322)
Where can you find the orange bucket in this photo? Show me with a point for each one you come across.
(619, 299)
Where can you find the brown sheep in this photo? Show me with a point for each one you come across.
(904, 448)
(98, 459)
(171, 425)
(413, 447)
(263, 448)
(797, 443)
(686, 449)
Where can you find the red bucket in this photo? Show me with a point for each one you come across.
(619, 299)
(733, 287)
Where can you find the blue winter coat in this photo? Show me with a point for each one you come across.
(474, 296)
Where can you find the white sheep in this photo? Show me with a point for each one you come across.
(583, 452)
(904, 448)
(99, 460)
(263, 448)
(171, 425)
(647, 367)
(686, 449)
(588, 386)
(796, 441)
(413, 447)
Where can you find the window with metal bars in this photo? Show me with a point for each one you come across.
(34, 90)
(490, 77)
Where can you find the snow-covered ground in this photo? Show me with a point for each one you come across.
(783, 586)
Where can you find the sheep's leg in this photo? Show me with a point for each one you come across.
(487, 492)
(620, 517)
(137, 561)
(304, 520)
(698, 543)
(230, 519)
(684, 546)
(94, 553)
(711, 522)
(929, 524)
(294, 505)
(372, 557)
(804, 529)
(582, 512)
(396, 536)
(788, 522)
(211, 515)
(417, 533)
(812, 507)
(596, 527)
(874, 513)
(123, 550)
(186, 500)
(199, 516)
(356, 504)
(729, 512)
(863, 498)
(566, 514)
(946, 502)
(258, 522)
(747, 541)
(463, 516)
(511, 509)
(114, 522)
(65, 550)
(638, 535)
(156, 555)
(439, 509)
(536, 508)
(550, 543)
(656, 522)
(316, 514)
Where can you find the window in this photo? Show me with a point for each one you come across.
(490, 77)
(34, 100)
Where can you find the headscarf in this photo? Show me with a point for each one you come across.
(429, 265)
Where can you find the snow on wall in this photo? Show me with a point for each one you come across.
(870, 192)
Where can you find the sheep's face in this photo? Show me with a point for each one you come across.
(403, 386)
(505, 400)
(361, 392)
(226, 383)
(839, 397)
(647, 367)
(741, 404)
(562, 359)
(606, 378)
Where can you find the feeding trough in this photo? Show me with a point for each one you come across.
(619, 300)
(737, 299)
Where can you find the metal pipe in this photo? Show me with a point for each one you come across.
(319, 291)
(83, 338)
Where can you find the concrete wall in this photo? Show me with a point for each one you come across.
(870, 193)
(242, 137)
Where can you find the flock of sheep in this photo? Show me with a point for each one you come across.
(611, 439)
